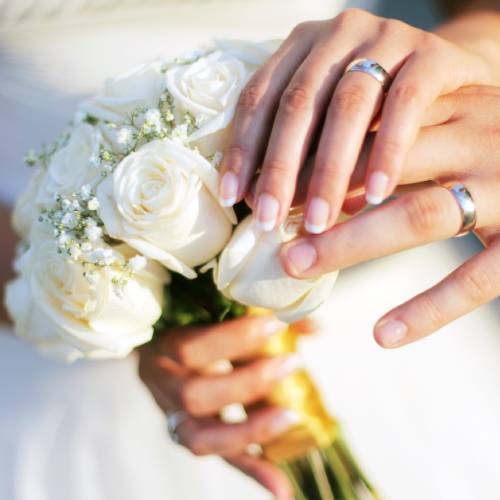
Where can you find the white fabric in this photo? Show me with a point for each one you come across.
(423, 420)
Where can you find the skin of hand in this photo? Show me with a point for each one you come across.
(459, 142)
(180, 369)
(302, 93)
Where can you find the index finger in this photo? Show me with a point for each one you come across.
(253, 118)
(197, 347)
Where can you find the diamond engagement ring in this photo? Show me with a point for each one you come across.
(372, 68)
(466, 204)
(174, 420)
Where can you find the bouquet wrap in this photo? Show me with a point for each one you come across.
(313, 452)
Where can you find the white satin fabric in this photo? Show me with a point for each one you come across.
(423, 420)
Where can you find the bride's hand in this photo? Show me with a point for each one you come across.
(177, 367)
(462, 146)
(303, 87)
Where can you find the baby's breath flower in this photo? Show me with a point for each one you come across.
(93, 233)
(85, 192)
(125, 136)
(69, 220)
(93, 204)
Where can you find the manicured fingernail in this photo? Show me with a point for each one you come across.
(267, 212)
(272, 326)
(391, 333)
(301, 257)
(377, 188)
(288, 365)
(283, 421)
(318, 212)
(228, 191)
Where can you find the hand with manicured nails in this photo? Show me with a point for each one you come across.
(303, 92)
(460, 142)
(178, 369)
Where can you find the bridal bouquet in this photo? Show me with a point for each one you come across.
(121, 234)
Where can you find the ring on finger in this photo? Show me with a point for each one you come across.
(466, 204)
(372, 68)
(174, 420)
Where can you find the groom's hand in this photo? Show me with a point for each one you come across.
(180, 369)
(460, 143)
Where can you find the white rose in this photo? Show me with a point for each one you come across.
(25, 212)
(71, 168)
(249, 272)
(208, 89)
(162, 201)
(139, 87)
(253, 54)
(55, 307)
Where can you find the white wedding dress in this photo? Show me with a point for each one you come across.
(423, 420)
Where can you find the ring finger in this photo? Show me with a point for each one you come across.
(414, 219)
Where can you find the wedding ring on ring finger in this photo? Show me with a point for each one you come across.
(373, 69)
(465, 203)
(174, 420)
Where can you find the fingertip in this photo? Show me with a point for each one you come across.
(377, 187)
(298, 257)
(317, 215)
(390, 333)
(228, 189)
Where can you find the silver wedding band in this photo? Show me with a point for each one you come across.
(174, 420)
(372, 68)
(466, 204)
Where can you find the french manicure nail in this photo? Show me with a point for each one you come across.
(377, 188)
(288, 365)
(391, 333)
(301, 257)
(228, 192)
(318, 212)
(284, 420)
(272, 326)
(267, 212)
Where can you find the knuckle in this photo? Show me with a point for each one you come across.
(428, 309)
(297, 97)
(189, 399)
(392, 27)
(477, 284)
(251, 97)
(182, 353)
(301, 29)
(275, 168)
(350, 99)
(388, 148)
(423, 213)
(328, 174)
(428, 40)
(195, 443)
(405, 93)
(234, 156)
(351, 15)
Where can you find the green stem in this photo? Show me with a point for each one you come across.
(355, 467)
(292, 477)
(340, 473)
(317, 465)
